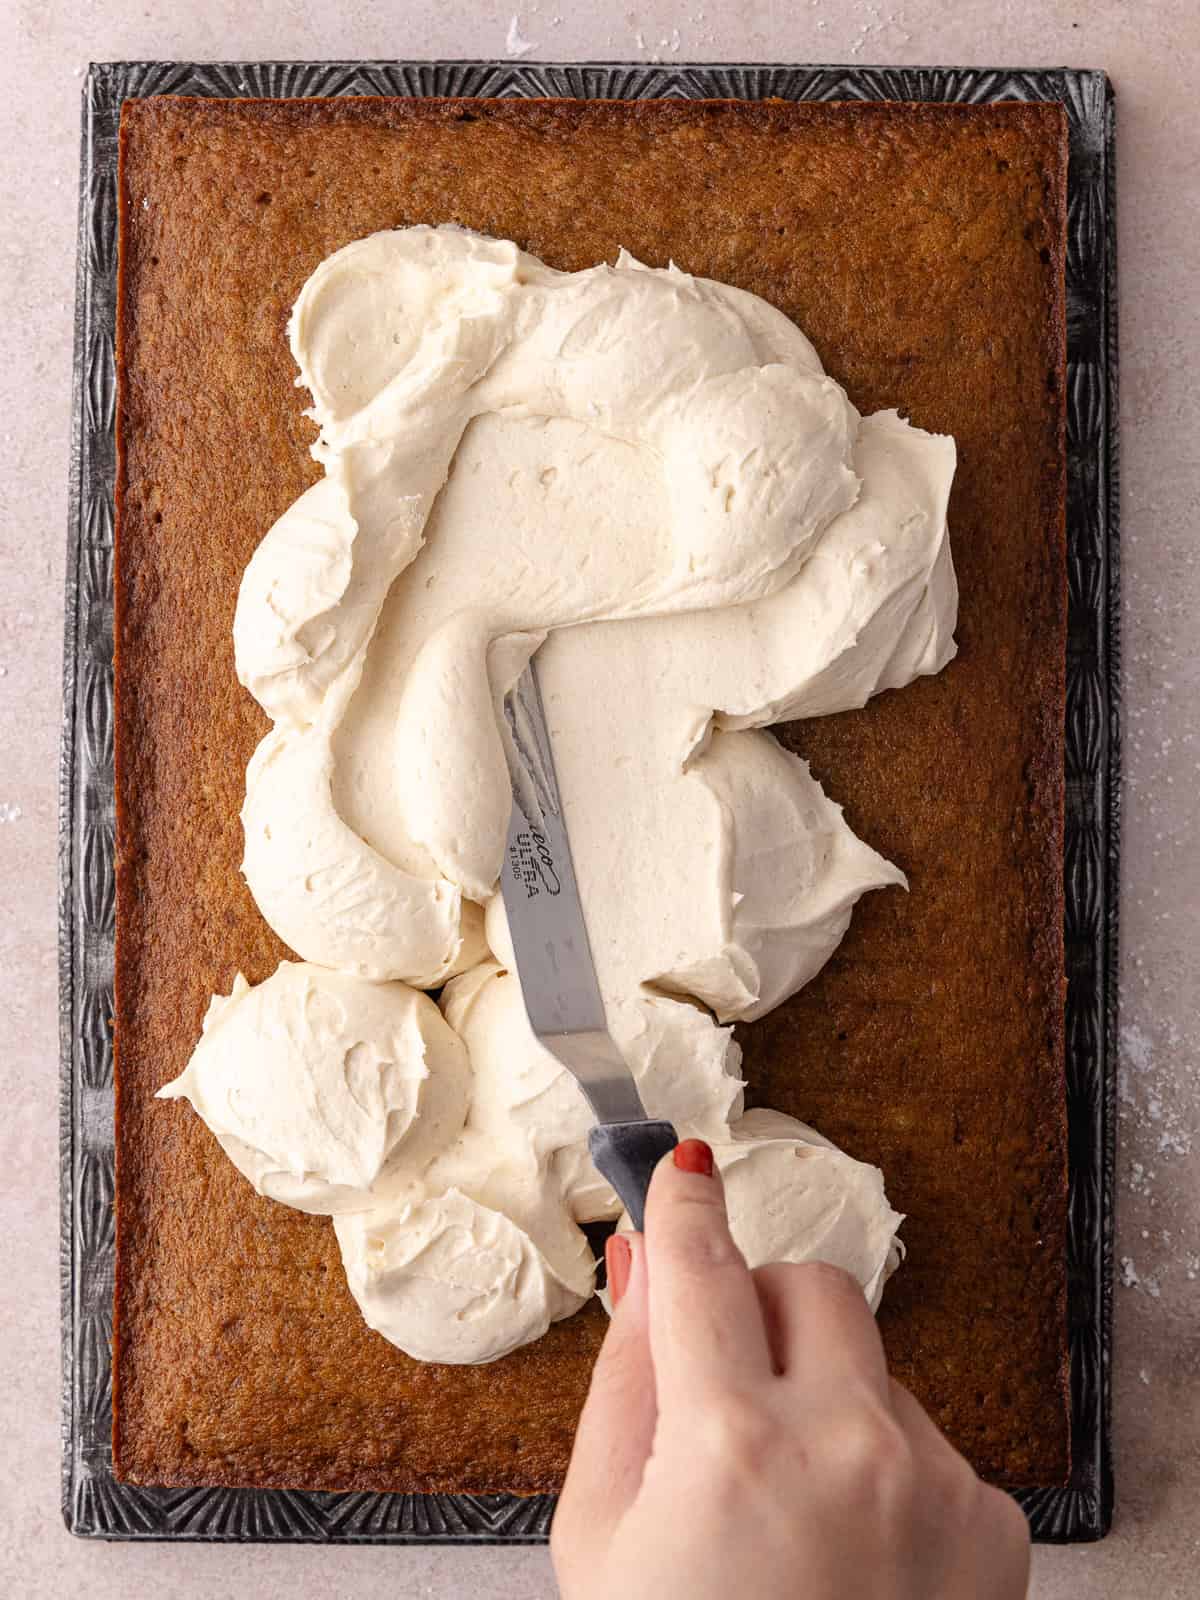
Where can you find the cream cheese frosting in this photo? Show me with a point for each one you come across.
(448, 1279)
(698, 472)
(686, 1070)
(650, 477)
(783, 869)
(482, 1253)
(794, 1197)
(324, 1090)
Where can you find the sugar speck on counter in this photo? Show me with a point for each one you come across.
(514, 43)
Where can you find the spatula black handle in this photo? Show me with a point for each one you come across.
(626, 1153)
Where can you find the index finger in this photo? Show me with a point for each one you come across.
(706, 1324)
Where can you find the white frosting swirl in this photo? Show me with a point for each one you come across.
(482, 1254)
(793, 1196)
(684, 1064)
(327, 892)
(449, 1279)
(323, 1090)
(784, 870)
(651, 380)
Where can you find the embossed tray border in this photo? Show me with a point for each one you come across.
(94, 1503)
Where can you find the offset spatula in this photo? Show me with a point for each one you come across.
(554, 958)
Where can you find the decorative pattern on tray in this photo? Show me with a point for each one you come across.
(94, 1503)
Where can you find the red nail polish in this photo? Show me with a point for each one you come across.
(618, 1258)
(693, 1155)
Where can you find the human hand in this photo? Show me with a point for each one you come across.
(742, 1437)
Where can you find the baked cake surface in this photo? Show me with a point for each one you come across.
(921, 249)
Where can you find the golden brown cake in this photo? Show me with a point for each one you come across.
(921, 248)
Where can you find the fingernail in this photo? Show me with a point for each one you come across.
(693, 1155)
(618, 1259)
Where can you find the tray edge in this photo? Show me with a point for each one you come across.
(1057, 1514)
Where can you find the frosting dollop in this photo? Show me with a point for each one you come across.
(447, 1278)
(483, 1253)
(323, 1090)
(793, 1197)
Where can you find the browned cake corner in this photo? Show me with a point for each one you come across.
(921, 248)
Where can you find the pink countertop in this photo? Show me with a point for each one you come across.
(1151, 51)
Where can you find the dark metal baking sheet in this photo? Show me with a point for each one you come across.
(94, 1503)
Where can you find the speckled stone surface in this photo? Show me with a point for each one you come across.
(1155, 1546)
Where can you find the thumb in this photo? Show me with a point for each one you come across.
(616, 1428)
